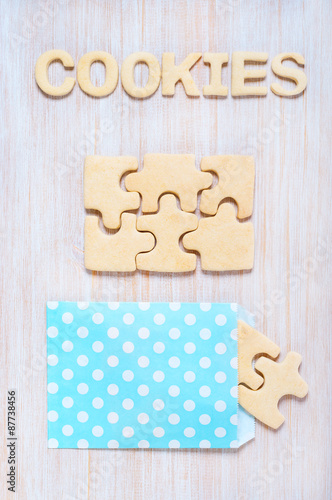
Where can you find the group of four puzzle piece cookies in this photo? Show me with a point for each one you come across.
(259, 395)
(151, 242)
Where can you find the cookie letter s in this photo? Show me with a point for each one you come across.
(296, 75)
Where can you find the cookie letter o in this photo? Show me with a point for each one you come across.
(41, 72)
(127, 74)
(111, 77)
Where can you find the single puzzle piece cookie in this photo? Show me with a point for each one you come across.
(168, 225)
(250, 343)
(102, 190)
(236, 177)
(168, 173)
(280, 379)
(223, 243)
(115, 253)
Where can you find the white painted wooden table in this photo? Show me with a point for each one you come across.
(44, 142)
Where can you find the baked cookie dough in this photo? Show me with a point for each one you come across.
(223, 243)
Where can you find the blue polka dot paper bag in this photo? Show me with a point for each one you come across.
(144, 375)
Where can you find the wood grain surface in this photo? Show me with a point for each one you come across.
(43, 144)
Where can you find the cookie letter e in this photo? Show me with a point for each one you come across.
(111, 77)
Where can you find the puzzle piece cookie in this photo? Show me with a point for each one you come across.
(115, 253)
(236, 177)
(250, 343)
(167, 173)
(102, 190)
(223, 243)
(280, 379)
(168, 225)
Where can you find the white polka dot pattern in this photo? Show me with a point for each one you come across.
(142, 375)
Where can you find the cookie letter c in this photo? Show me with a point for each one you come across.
(41, 72)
